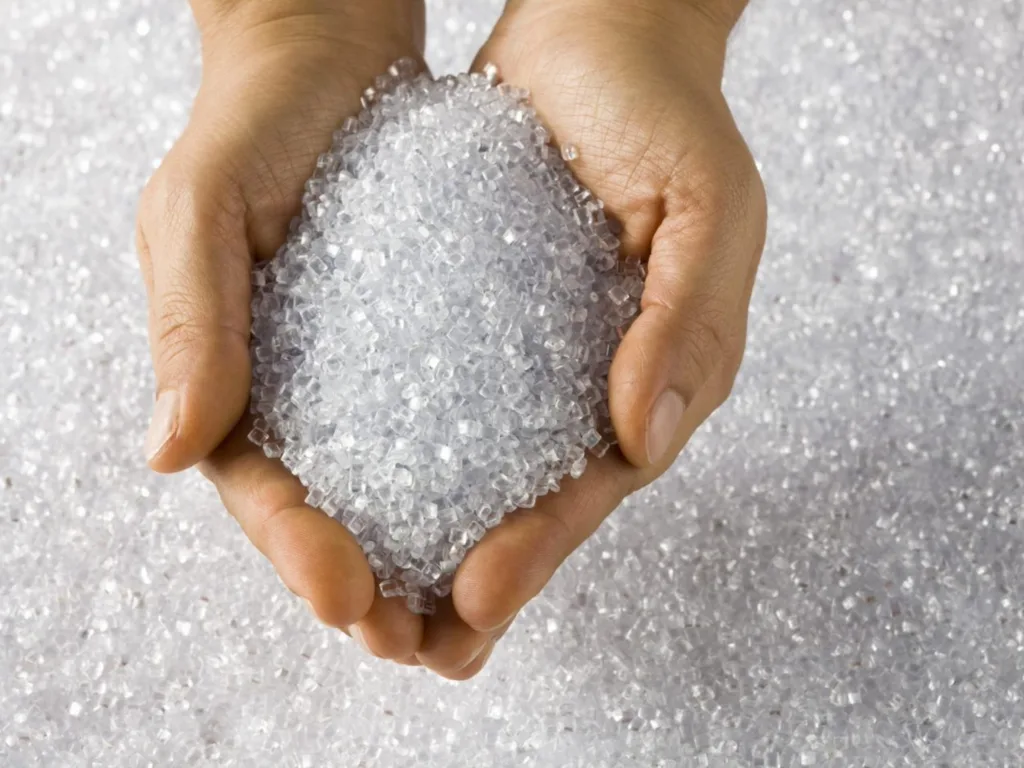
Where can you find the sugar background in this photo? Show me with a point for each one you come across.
(830, 576)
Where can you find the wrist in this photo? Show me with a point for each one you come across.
(709, 21)
(684, 33)
(401, 21)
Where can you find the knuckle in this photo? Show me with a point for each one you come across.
(269, 500)
(721, 185)
(187, 195)
(168, 192)
(732, 361)
(701, 192)
(703, 351)
(742, 182)
(759, 207)
(747, 201)
(141, 245)
(711, 345)
(184, 324)
(144, 256)
(145, 214)
(182, 201)
(481, 609)
(727, 378)
(150, 193)
(178, 328)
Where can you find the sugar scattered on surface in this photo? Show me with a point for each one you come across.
(831, 575)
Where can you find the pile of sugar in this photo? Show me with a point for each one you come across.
(431, 346)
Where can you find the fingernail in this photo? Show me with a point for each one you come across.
(164, 423)
(663, 424)
(357, 635)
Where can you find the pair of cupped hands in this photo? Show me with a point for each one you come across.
(635, 85)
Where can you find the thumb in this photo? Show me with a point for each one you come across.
(678, 361)
(196, 263)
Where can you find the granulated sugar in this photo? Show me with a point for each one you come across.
(832, 575)
(432, 345)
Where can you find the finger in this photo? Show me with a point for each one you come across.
(514, 561)
(450, 645)
(314, 555)
(195, 256)
(501, 631)
(690, 334)
(476, 665)
(408, 661)
(390, 630)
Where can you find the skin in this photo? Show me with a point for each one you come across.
(636, 86)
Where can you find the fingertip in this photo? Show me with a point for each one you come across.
(390, 630)
(482, 607)
(342, 606)
(507, 569)
(318, 559)
(313, 554)
(473, 668)
(410, 661)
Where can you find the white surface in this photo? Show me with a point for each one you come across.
(830, 576)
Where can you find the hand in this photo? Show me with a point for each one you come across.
(274, 88)
(636, 87)
(278, 79)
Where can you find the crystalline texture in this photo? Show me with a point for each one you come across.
(431, 345)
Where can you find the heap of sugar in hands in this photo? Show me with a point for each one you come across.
(432, 344)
